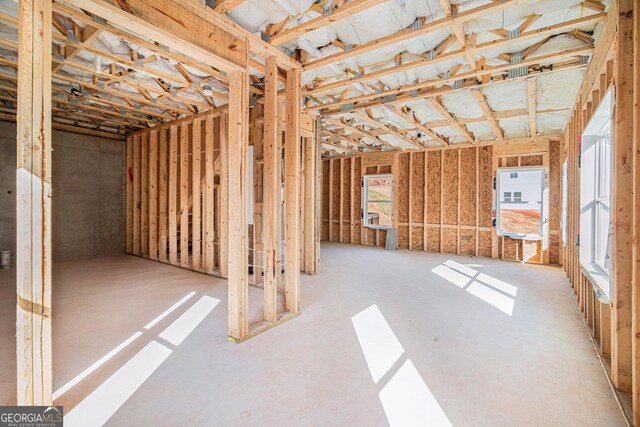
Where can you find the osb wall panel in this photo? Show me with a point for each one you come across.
(357, 200)
(335, 203)
(325, 201)
(443, 200)
(468, 187)
(484, 243)
(555, 199)
(450, 186)
(433, 187)
(433, 239)
(485, 194)
(467, 242)
(347, 185)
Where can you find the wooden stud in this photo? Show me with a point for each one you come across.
(238, 285)
(173, 194)
(136, 194)
(209, 202)
(184, 194)
(292, 192)
(153, 195)
(622, 204)
(196, 185)
(144, 195)
(223, 194)
(33, 208)
(162, 195)
(129, 197)
(309, 202)
(272, 191)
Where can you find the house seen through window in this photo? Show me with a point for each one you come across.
(520, 207)
(377, 200)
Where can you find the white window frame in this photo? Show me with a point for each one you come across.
(365, 201)
(593, 196)
(525, 236)
(603, 195)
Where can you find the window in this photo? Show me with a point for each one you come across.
(377, 201)
(595, 197)
(602, 196)
(522, 214)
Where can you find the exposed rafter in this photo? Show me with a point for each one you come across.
(488, 113)
(531, 103)
(336, 14)
(409, 33)
(468, 80)
(438, 104)
(360, 132)
(407, 115)
(223, 6)
(467, 49)
(369, 118)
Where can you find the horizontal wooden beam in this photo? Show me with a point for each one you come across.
(408, 33)
(470, 49)
(177, 27)
(407, 93)
(337, 14)
(73, 129)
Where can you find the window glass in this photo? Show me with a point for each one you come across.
(603, 196)
(378, 201)
(520, 215)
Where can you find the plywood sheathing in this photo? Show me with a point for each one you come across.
(447, 206)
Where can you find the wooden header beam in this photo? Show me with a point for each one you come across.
(337, 14)
(174, 25)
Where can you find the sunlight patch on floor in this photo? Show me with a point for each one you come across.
(495, 292)
(101, 404)
(405, 397)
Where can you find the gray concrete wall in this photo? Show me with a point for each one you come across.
(88, 194)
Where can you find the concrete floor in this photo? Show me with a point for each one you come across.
(382, 338)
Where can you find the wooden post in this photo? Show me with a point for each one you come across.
(173, 194)
(238, 284)
(153, 195)
(184, 194)
(129, 196)
(196, 240)
(33, 205)
(271, 184)
(136, 195)
(144, 195)
(223, 247)
(208, 199)
(258, 177)
(636, 220)
(622, 187)
(162, 192)
(310, 219)
(292, 192)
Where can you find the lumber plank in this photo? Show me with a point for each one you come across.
(136, 194)
(208, 198)
(153, 195)
(238, 285)
(196, 185)
(184, 194)
(173, 194)
(129, 197)
(33, 206)
(292, 191)
(144, 194)
(271, 183)
(163, 156)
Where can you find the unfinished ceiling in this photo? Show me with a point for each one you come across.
(414, 73)
(395, 74)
